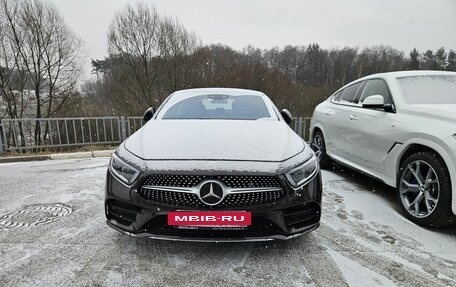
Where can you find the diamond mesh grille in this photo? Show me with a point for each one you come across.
(191, 200)
(233, 181)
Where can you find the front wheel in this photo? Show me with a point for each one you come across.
(319, 147)
(424, 190)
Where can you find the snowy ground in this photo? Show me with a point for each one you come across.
(363, 240)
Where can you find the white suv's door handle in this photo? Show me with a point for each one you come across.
(353, 118)
(329, 113)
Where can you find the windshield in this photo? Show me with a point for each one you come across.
(245, 107)
(430, 89)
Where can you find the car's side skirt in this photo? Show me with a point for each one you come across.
(362, 170)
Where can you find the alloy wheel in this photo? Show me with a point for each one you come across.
(317, 144)
(419, 189)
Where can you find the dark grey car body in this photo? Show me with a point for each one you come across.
(249, 157)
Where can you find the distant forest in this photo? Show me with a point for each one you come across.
(150, 56)
(295, 77)
(146, 64)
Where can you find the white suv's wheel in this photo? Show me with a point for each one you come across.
(424, 190)
(319, 147)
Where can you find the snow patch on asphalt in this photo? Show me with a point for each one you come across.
(357, 275)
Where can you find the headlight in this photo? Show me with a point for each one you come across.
(123, 171)
(303, 173)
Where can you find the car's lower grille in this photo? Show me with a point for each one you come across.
(123, 213)
(261, 227)
(302, 215)
(233, 181)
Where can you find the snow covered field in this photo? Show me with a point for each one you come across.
(363, 240)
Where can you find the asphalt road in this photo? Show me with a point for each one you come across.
(363, 240)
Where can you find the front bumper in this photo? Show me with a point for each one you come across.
(211, 239)
(296, 214)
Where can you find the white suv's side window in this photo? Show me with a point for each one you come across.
(336, 97)
(347, 95)
(376, 87)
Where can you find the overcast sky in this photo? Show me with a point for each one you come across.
(402, 24)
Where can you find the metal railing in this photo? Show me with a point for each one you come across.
(33, 133)
(134, 124)
(46, 133)
(1, 138)
(301, 126)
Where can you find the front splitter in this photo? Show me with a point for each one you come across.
(216, 240)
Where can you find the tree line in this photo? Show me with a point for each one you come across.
(149, 56)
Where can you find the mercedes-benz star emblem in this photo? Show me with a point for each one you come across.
(211, 193)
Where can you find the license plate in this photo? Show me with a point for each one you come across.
(210, 218)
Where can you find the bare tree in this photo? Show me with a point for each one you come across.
(46, 52)
(175, 44)
(151, 53)
(14, 88)
(13, 78)
(133, 37)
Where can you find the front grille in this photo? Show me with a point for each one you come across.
(246, 181)
(252, 198)
(173, 180)
(261, 227)
(233, 181)
(192, 201)
(181, 199)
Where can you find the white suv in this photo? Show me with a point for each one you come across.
(400, 128)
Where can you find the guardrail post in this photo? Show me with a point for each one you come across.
(1, 137)
(128, 127)
(123, 129)
(306, 130)
(295, 124)
(299, 120)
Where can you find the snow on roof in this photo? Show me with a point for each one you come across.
(182, 94)
(399, 74)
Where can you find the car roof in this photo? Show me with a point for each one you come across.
(397, 74)
(411, 73)
(182, 94)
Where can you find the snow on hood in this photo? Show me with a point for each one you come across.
(437, 111)
(227, 140)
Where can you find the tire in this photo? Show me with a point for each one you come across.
(318, 145)
(424, 194)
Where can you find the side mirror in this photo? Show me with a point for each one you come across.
(374, 102)
(286, 115)
(148, 114)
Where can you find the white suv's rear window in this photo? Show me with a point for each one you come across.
(428, 89)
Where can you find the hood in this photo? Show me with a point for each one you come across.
(261, 140)
(442, 112)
